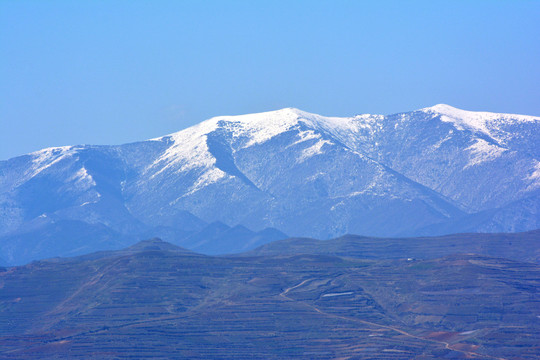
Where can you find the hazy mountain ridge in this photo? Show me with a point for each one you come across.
(431, 171)
(524, 247)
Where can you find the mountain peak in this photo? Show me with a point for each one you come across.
(487, 123)
(190, 148)
(277, 121)
(417, 172)
(155, 244)
(456, 113)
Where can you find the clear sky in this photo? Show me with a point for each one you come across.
(110, 72)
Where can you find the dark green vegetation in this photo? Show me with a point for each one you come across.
(157, 300)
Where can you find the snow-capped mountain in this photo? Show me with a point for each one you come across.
(431, 171)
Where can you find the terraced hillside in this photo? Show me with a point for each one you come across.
(157, 300)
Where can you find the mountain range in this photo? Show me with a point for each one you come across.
(297, 298)
(437, 170)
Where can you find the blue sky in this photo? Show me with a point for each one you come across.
(110, 72)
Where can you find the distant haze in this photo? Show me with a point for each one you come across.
(117, 72)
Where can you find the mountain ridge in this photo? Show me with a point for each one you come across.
(431, 171)
(157, 300)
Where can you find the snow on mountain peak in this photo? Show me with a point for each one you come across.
(254, 128)
(289, 164)
(260, 127)
(454, 112)
(487, 123)
(189, 148)
(190, 151)
(45, 158)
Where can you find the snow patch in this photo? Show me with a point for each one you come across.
(338, 294)
(482, 151)
(313, 150)
(209, 177)
(83, 177)
(437, 145)
(477, 121)
(335, 206)
(188, 151)
(45, 158)
(316, 176)
(305, 136)
(534, 177)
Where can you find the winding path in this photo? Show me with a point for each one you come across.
(447, 345)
